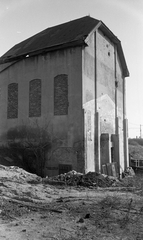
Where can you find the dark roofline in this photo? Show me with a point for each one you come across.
(81, 41)
(43, 50)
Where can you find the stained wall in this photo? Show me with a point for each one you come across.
(110, 89)
(88, 98)
(68, 128)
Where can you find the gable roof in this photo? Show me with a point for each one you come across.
(68, 34)
(73, 31)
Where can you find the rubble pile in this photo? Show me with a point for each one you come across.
(128, 172)
(99, 180)
(91, 179)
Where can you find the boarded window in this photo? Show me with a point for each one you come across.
(12, 107)
(63, 168)
(61, 95)
(35, 98)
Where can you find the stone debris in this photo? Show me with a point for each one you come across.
(71, 178)
(91, 179)
(87, 215)
(81, 220)
(128, 172)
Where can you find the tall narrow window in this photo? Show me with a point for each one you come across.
(61, 95)
(35, 98)
(12, 107)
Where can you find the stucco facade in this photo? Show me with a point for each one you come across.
(68, 127)
(92, 128)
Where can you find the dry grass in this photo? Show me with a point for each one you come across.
(134, 181)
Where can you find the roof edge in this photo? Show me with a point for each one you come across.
(43, 50)
(116, 41)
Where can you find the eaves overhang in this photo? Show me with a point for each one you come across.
(64, 45)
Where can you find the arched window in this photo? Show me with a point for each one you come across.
(35, 98)
(61, 94)
(12, 106)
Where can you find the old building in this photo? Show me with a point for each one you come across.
(71, 76)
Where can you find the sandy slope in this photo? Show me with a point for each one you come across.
(31, 209)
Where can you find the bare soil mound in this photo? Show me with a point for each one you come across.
(33, 209)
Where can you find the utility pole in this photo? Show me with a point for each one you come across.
(140, 131)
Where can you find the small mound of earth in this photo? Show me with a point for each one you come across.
(91, 179)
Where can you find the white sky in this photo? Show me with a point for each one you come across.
(20, 19)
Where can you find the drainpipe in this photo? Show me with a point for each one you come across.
(117, 145)
(95, 55)
(97, 160)
(116, 89)
(124, 98)
(125, 128)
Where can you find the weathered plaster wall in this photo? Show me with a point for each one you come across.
(105, 83)
(120, 111)
(88, 89)
(107, 93)
(88, 70)
(89, 119)
(69, 127)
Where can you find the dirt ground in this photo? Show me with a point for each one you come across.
(34, 210)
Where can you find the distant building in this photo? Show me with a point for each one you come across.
(71, 76)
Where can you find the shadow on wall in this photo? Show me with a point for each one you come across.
(29, 146)
(26, 147)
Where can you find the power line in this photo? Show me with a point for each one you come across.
(135, 124)
(140, 131)
(134, 128)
